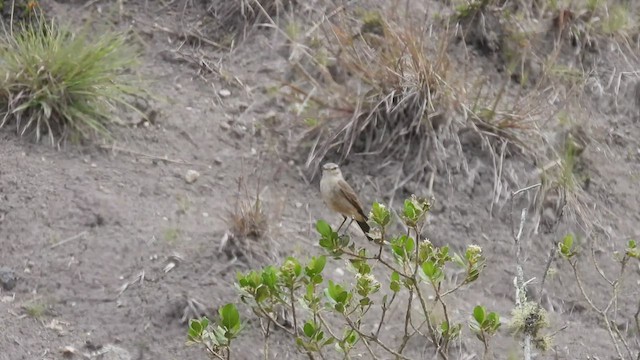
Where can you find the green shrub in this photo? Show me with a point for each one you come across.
(323, 316)
(60, 84)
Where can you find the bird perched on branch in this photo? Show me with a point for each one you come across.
(340, 197)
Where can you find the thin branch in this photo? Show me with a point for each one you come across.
(521, 294)
(374, 339)
(596, 309)
(407, 321)
(385, 307)
(293, 310)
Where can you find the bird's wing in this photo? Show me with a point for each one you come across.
(351, 196)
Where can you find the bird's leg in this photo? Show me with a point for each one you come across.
(343, 221)
(348, 225)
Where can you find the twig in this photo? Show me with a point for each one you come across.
(374, 339)
(520, 285)
(385, 307)
(552, 255)
(596, 309)
(115, 148)
(184, 34)
(74, 237)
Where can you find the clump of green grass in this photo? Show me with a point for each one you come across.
(35, 309)
(63, 85)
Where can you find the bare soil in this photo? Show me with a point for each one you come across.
(88, 231)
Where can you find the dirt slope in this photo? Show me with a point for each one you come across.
(88, 231)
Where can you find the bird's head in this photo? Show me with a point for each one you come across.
(331, 169)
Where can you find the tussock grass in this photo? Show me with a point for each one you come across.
(382, 89)
(385, 86)
(63, 85)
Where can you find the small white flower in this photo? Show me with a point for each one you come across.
(475, 248)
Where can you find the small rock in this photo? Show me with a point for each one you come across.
(113, 352)
(7, 278)
(217, 161)
(224, 93)
(191, 176)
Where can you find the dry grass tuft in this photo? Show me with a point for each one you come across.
(247, 218)
(382, 85)
(381, 89)
(236, 16)
(249, 221)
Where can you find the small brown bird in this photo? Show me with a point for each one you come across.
(340, 197)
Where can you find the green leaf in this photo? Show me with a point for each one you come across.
(324, 228)
(229, 316)
(493, 320)
(261, 294)
(337, 293)
(395, 282)
(479, 314)
(409, 210)
(444, 326)
(329, 341)
(566, 246)
(326, 243)
(195, 329)
(309, 329)
(381, 215)
(319, 264)
(204, 322)
(350, 336)
(403, 246)
(269, 276)
(429, 269)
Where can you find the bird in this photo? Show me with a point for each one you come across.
(339, 196)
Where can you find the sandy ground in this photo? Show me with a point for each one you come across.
(88, 231)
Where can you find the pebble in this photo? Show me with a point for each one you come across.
(191, 176)
(7, 278)
(224, 93)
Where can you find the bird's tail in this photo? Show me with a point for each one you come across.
(365, 228)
